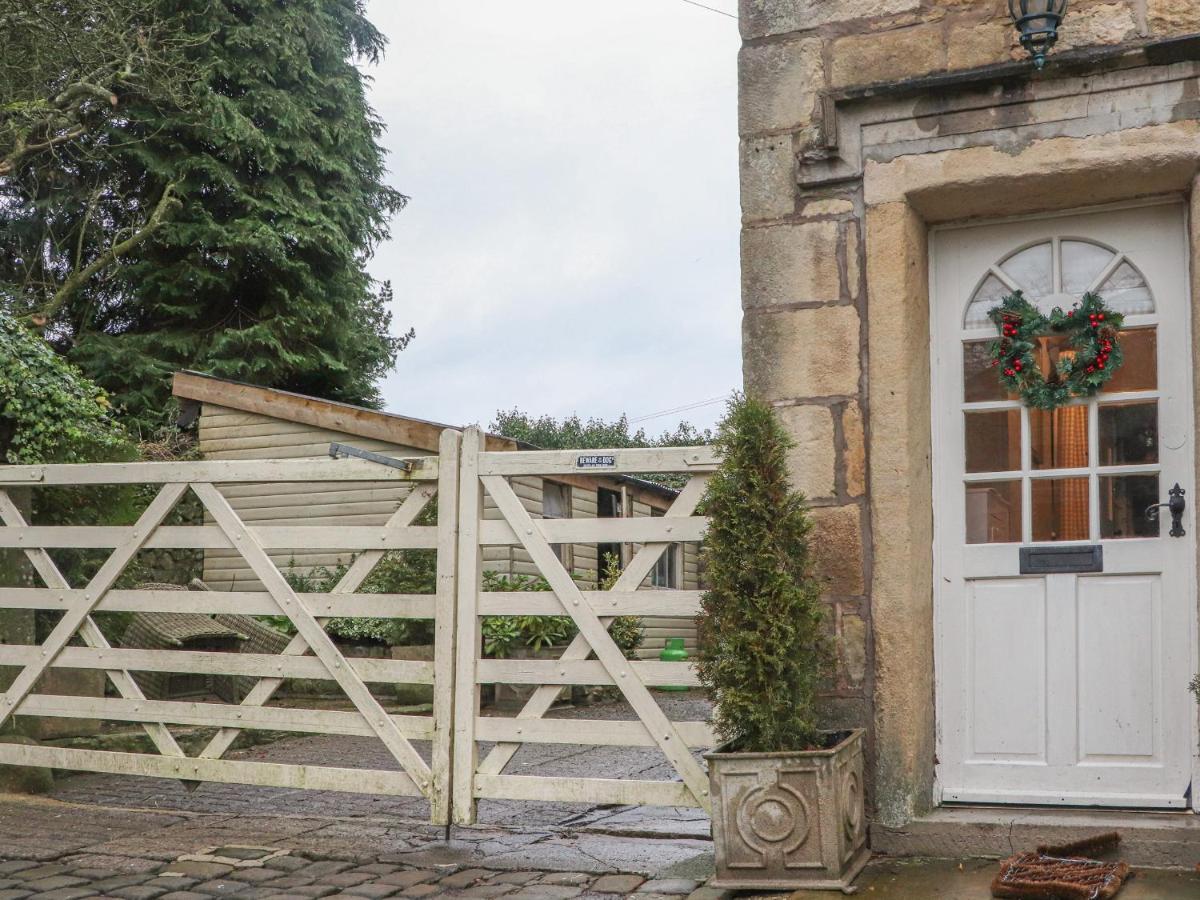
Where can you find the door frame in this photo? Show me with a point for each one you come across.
(938, 421)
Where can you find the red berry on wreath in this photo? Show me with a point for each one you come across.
(1100, 317)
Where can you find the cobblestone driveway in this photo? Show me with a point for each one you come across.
(304, 876)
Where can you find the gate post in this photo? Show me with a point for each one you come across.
(467, 638)
(445, 626)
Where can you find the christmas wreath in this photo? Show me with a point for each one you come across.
(1093, 335)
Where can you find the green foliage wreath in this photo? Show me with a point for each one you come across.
(1093, 332)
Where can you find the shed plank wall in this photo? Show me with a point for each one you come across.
(232, 434)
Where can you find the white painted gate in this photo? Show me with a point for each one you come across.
(1064, 688)
(592, 611)
(456, 726)
(413, 776)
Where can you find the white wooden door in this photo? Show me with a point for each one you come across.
(1064, 688)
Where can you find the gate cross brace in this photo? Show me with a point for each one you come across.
(77, 618)
(630, 579)
(307, 626)
(595, 633)
(265, 688)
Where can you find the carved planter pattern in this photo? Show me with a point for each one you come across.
(785, 821)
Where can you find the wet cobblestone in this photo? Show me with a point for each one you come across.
(302, 876)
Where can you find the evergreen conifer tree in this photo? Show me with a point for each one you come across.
(765, 651)
(276, 197)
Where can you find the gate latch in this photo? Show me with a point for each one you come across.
(337, 450)
(1177, 504)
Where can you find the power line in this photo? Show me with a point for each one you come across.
(678, 409)
(719, 12)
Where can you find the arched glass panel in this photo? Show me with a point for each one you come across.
(1081, 266)
(1033, 270)
(1082, 263)
(1126, 291)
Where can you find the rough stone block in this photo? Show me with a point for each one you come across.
(982, 45)
(790, 264)
(852, 649)
(801, 353)
(854, 454)
(617, 884)
(832, 206)
(837, 543)
(768, 178)
(1105, 23)
(1168, 17)
(888, 55)
(759, 18)
(853, 268)
(778, 85)
(812, 461)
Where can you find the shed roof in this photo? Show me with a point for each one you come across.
(348, 418)
(328, 414)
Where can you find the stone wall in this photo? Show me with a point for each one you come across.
(804, 250)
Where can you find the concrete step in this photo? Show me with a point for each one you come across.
(1152, 839)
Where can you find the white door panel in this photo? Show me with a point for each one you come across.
(1064, 688)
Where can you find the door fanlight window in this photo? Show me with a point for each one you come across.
(1058, 272)
(1086, 471)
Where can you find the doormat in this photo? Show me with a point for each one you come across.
(1063, 873)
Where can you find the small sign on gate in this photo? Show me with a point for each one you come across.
(596, 462)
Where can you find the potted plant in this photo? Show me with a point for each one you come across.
(787, 796)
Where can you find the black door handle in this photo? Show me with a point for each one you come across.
(1176, 505)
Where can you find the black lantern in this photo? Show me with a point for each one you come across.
(1038, 22)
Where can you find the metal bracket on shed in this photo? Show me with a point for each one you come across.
(338, 450)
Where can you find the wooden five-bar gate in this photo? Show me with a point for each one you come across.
(457, 480)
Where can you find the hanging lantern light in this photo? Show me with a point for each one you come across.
(1038, 21)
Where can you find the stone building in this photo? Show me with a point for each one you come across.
(903, 167)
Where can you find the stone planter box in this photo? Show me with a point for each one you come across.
(788, 821)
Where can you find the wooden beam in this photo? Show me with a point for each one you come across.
(625, 462)
(210, 537)
(220, 715)
(589, 671)
(211, 662)
(318, 778)
(327, 414)
(646, 602)
(585, 732)
(625, 530)
(217, 472)
(607, 791)
(249, 603)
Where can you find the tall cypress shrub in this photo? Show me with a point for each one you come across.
(766, 652)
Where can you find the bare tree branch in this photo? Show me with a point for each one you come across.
(167, 204)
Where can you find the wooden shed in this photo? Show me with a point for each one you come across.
(242, 421)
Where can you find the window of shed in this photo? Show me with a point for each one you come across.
(666, 570)
(556, 504)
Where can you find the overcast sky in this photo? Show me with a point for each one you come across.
(571, 245)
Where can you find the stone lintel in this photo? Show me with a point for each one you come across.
(997, 106)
